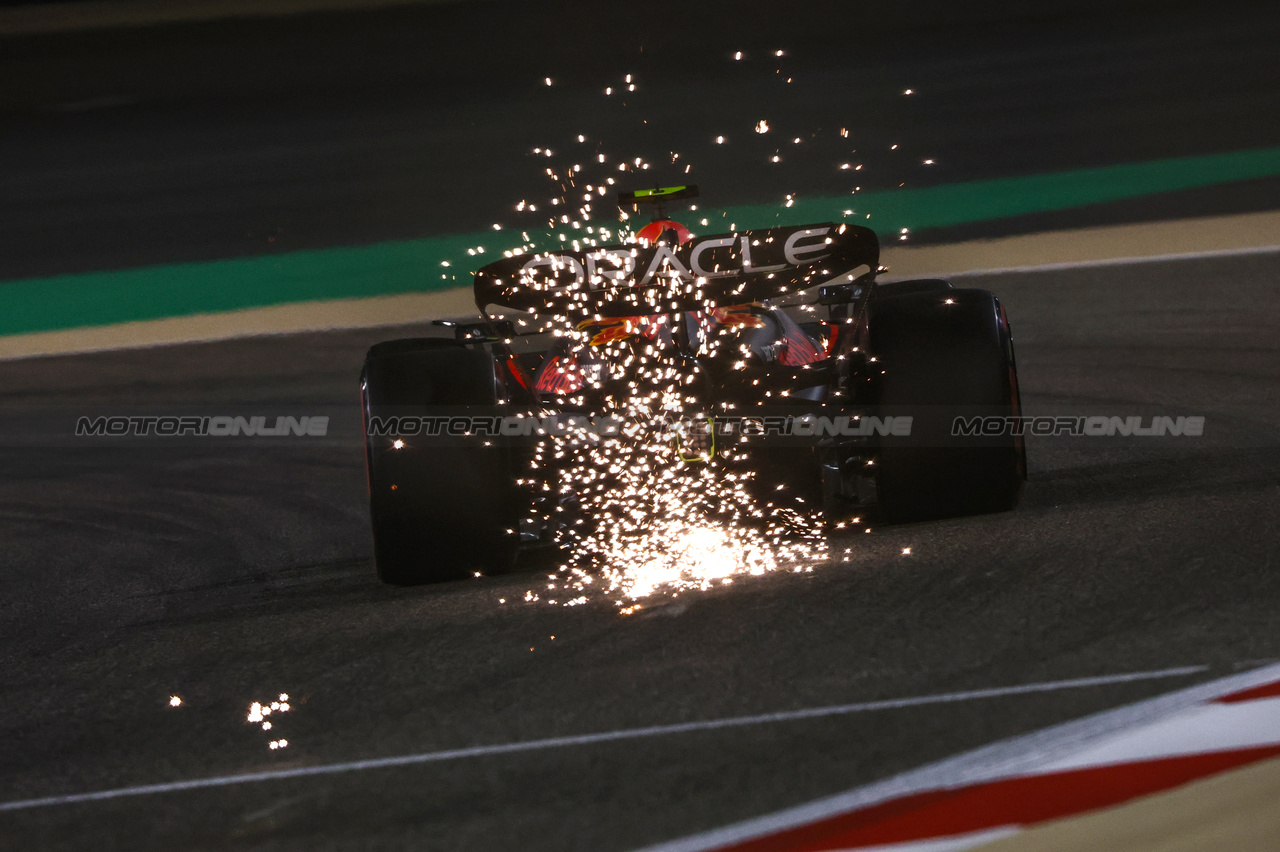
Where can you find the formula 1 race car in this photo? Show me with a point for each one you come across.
(772, 357)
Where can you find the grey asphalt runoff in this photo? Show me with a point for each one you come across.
(256, 137)
(230, 574)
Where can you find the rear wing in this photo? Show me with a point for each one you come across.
(723, 269)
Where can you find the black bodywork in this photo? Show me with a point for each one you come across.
(845, 389)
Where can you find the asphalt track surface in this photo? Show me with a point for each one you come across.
(229, 574)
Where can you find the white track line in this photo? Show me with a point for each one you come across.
(1112, 261)
(1004, 759)
(1212, 727)
(405, 309)
(592, 739)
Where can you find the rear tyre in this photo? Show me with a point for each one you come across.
(945, 354)
(443, 507)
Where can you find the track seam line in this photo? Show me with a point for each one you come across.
(1128, 260)
(592, 739)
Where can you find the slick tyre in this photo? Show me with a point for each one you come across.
(442, 506)
(946, 357)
